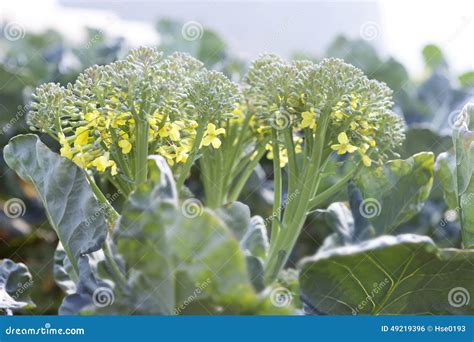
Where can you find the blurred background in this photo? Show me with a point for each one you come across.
(423, 50)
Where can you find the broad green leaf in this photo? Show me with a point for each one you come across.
(255, 239)
(446, 172)
(346, 221)
(419, 138)
(455, 171)
(64, 274)
(339, 217)
(15, 286)
(70, 205)
(192, 261)
(236, 216)
(88, 292)
(142, 242)
(96, 282)
(402, 275)
(397, 191)
(252, 234)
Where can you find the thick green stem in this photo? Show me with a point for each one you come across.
(112, 215)
(292, 167)
(141, 153)
(335, 188)
(113, 266)
(276, 187)
(295, 214)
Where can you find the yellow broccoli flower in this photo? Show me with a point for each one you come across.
(102, 163)
(344, 145)
(170, 130)
(283, 155)
(165, 153)
(338, 115)
(366, 160)
(80, 160)
(82, 136)
(211, 136)
(65, 150)
(125, 145)
(238, 114)
(120, 120)
(92, 116)
(182, 154)
(309, 120)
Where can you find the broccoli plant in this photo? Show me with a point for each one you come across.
(312, 111)
(147, 124)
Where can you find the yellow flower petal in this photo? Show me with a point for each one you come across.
(82, 136)
(342, 138)
(351, 148)
(366, 160)
(125, 145)
(216, 143)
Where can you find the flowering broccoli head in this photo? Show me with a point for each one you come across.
(101, 119)
(332, 103)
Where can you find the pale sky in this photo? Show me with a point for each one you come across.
(401, 27)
